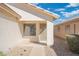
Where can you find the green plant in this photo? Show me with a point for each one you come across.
(2, 54)
(73, 42)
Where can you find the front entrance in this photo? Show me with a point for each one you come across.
(29, 29)
(35, 31)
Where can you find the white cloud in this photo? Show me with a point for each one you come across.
(68, 14)
(73, 5)
(48, 8)
(60, 9)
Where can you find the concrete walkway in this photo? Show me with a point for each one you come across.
(31, 49)
(37, 51)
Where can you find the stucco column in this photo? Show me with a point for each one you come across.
(50, 39)
(37, 31)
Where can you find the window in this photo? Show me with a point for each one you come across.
(74, 28)
(29, 29)
(57, 29)
(67, 28)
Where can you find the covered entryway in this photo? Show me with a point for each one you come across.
(35, 31)
(39, 31)
(23, 24)
(32, 15)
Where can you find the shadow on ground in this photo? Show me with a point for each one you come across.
(40, 43)
(61, 48)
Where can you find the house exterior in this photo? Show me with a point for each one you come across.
(67, 27)
(24, 21)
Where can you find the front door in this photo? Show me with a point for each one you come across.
(30, 31)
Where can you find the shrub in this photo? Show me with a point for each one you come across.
(73, 42)
(2, 54)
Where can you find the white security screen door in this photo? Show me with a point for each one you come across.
(29, 29)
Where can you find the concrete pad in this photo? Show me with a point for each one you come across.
(37, 51)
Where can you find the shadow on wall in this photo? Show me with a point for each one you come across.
(8, 17)
(40, 43)
(20, 24)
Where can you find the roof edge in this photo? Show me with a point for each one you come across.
(54, 15)
(68, 20)
(9, 10)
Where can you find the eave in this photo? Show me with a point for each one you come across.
(8, 12)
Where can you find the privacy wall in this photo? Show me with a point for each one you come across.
(10, 34)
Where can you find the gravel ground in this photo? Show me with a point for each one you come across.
(61, 48)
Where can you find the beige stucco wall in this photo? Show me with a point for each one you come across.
(50, 39)
(10, 33)
(77, 27)
(61, 33)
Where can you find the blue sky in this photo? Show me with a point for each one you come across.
(64, 10)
